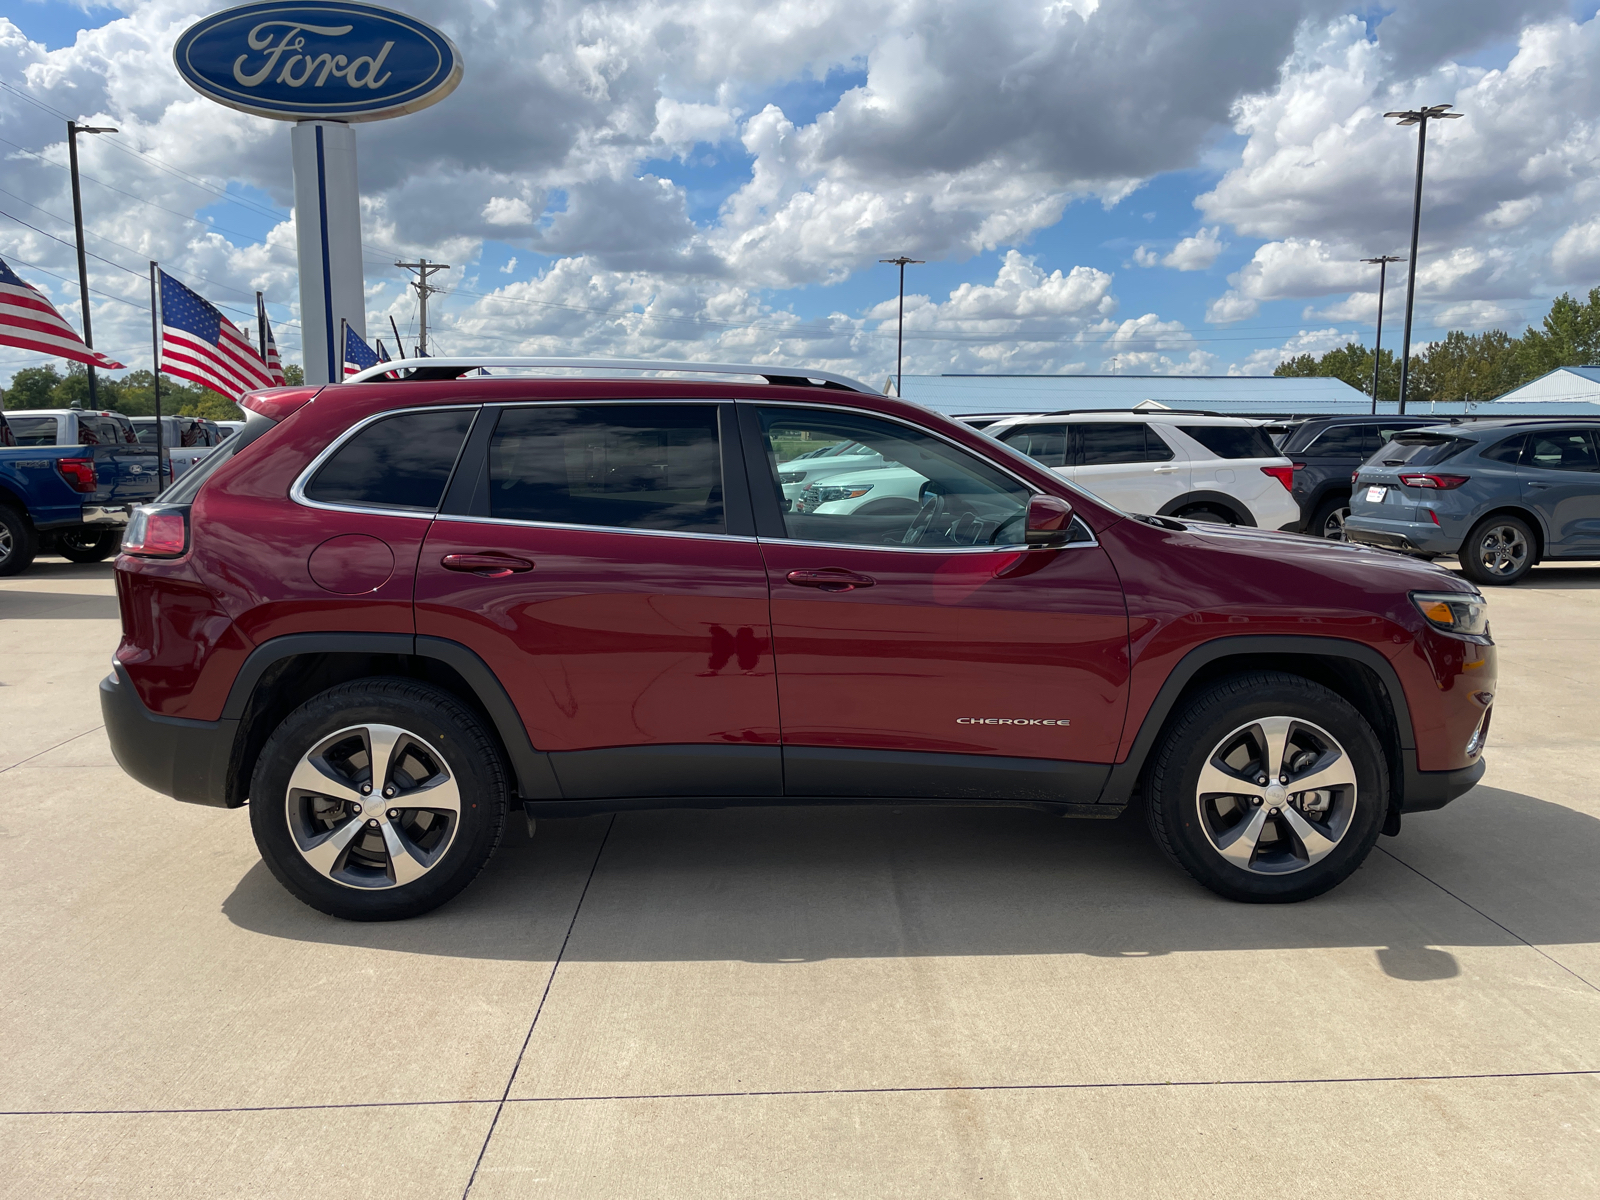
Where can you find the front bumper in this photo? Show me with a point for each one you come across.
(1412, 537)
(106, 514)
(1428, 790)
(187, 760)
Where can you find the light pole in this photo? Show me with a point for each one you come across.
(1420, 118)
(73, 130)
(900, 334)
(1377, 338)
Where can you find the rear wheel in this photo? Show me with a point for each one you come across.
(1268, 788)
(1499, 550)
(18, 542)
(88, 543)
(1208, 513)
(378, 799)
(1328, 521)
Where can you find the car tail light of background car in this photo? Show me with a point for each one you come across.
(1284, 475)
(79, 473)
(1430, 480)
(157, 532)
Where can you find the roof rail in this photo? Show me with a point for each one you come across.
(423, 369)
(1138, 409)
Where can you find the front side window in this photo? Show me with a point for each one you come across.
(921, 491)
(403, 461)
(1043, 443)
(1233, 441)
(1562, 450)
(1342, 441)
(622, 466)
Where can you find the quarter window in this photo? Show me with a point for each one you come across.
(1508, 451)
(623, 466)
(402, 461)
(1232, 441)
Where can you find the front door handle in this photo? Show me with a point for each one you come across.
(1532, 484)
(831, 579)
(1165, 470)
(489, 566)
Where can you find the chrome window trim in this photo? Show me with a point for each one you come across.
(297, 490)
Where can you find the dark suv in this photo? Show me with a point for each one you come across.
(387, 611)
(1325, 451)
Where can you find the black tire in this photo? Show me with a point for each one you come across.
(440, 733)
(1328, 521)
(1207, 513)
(18, 541)
(1186, 824)
(87, 543)
(1499, 551)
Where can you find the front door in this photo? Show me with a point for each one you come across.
(928, 653)
(1561, 478)
(599, 559)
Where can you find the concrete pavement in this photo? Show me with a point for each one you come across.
(786, 1002)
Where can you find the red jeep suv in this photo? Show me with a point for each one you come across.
(387, 611)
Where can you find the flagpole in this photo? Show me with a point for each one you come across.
(261, 325)
(155, 375)
(398, 344)
(344, 350)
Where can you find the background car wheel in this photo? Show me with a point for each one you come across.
(378, 799)
(1499, 550)
(1268, 788)
(88, 543)
(18, 542)
(1328, 521)
(1206, 512)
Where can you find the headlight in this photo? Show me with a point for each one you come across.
(817, 494)
(791, 476)
(1454, 612)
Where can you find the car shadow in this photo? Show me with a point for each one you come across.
(48, 566)
(56, 606)
(805, 884)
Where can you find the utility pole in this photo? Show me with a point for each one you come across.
(73, 130)
(423, 268)
(1377, 338)
(1420, 118)
(900, 335)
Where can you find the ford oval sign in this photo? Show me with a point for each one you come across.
(331, 61)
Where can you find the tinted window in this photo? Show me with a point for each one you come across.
(1342, 441)
(1562, 450)
(1104, 443)
(1046, 443)
(626, 466)
(1418, 450)
(1155, 446)
(399, 462)
(923, 492)
(1232, 441)
(34, 431)
(1508, 451)
(145, 431)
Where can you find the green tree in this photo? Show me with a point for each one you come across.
(1570, 337)
(31, 387)
(1352, 363)
(1463, 366)
(293, 374)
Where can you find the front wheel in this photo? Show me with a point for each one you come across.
(1498, 551)
(88, 543)
(1329, 520)
(18, 541)
(1268, 788)
(378, 800)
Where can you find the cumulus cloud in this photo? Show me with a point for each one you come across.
(1195, 253)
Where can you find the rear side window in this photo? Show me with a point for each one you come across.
(1232, 441)
(145, 431)
(1418, 450)
(1110, 442)
(1343, 441)
(402, 461)
(623, 466)
(1562, 450)
(33, 431)
(1044, 443)
(1508, 451)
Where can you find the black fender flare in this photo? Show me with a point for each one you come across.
(1218, 499)
(535, 778)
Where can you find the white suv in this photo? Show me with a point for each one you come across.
(1171, 464)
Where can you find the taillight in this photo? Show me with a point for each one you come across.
(1430, 480)
(1284, 475)
(157, 533)
(79, 473)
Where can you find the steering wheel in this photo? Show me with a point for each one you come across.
(930, 511)
(994, 538)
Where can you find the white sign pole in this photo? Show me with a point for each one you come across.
(327, 215)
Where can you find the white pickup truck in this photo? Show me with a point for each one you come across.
(186, 440)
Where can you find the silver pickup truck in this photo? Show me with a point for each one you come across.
(186, 440)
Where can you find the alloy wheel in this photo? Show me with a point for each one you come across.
(1276, 796)
(1333, 524)
(1502, 550)
(373, 806)
(84, 539)
(8, 544)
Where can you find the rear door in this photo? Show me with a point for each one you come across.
(1561, 479)
(600, 557)
(932, 655)
(1128, 464)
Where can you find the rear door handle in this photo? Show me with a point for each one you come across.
(831, 579)
(490, 566)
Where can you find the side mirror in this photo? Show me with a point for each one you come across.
(1049, 521)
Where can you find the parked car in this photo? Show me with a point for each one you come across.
(1501, 495)
(388, 611)
(1324, 451)
(185, 441)
(68, 480)
(809, 466)
(1188, 465)
(229, 428)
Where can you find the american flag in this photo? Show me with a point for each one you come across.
(358, 356)
(274, 363)
(30, 322)
(201, 345)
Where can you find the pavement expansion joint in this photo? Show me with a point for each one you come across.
(47, 749)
